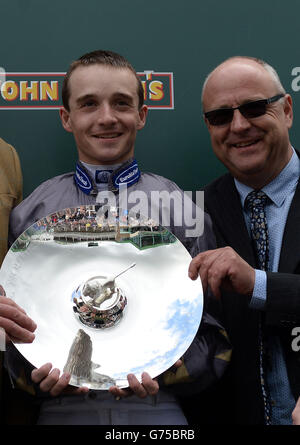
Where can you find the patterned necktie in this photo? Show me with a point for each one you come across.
(256, 202)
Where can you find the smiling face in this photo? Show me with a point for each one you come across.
(103, 115)
(254, 150)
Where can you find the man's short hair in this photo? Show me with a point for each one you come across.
(261, 62)
(100, 57)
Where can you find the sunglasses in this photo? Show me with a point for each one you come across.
(257, 108)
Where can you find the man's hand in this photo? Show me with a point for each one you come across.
(18, 326)
(147, 387)
(51, 381)
(223, 269)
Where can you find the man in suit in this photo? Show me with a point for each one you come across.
(248, 115)
(10, 189)
(15, 325)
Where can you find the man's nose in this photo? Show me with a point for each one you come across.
(239, 122)
(106, 115)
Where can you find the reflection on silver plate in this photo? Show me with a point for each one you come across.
(109, 291)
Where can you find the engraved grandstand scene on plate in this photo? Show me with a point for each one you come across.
(109, 291)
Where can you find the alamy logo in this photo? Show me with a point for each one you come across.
(169, 209)
(296, 341)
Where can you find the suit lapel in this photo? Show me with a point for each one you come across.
(289, 256)
(228, 212)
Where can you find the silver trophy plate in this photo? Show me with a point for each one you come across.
(109, 291)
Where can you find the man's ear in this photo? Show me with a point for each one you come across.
(288, 110)
(142, 116)
(65, 119)
(206, 122)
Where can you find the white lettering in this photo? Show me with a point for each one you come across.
(194, 214)
(81, 179)
(166, 203)
(128, 176)
(167, 209)
(296, 82)
(124, 435)
(106, 197)
(2, 77)
(296, 341)
(142, 203)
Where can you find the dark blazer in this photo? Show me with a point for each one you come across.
(10, 196)
(242, 398)
(10, 190)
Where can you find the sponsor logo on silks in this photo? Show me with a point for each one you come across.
(82, 180)
(128, 176)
